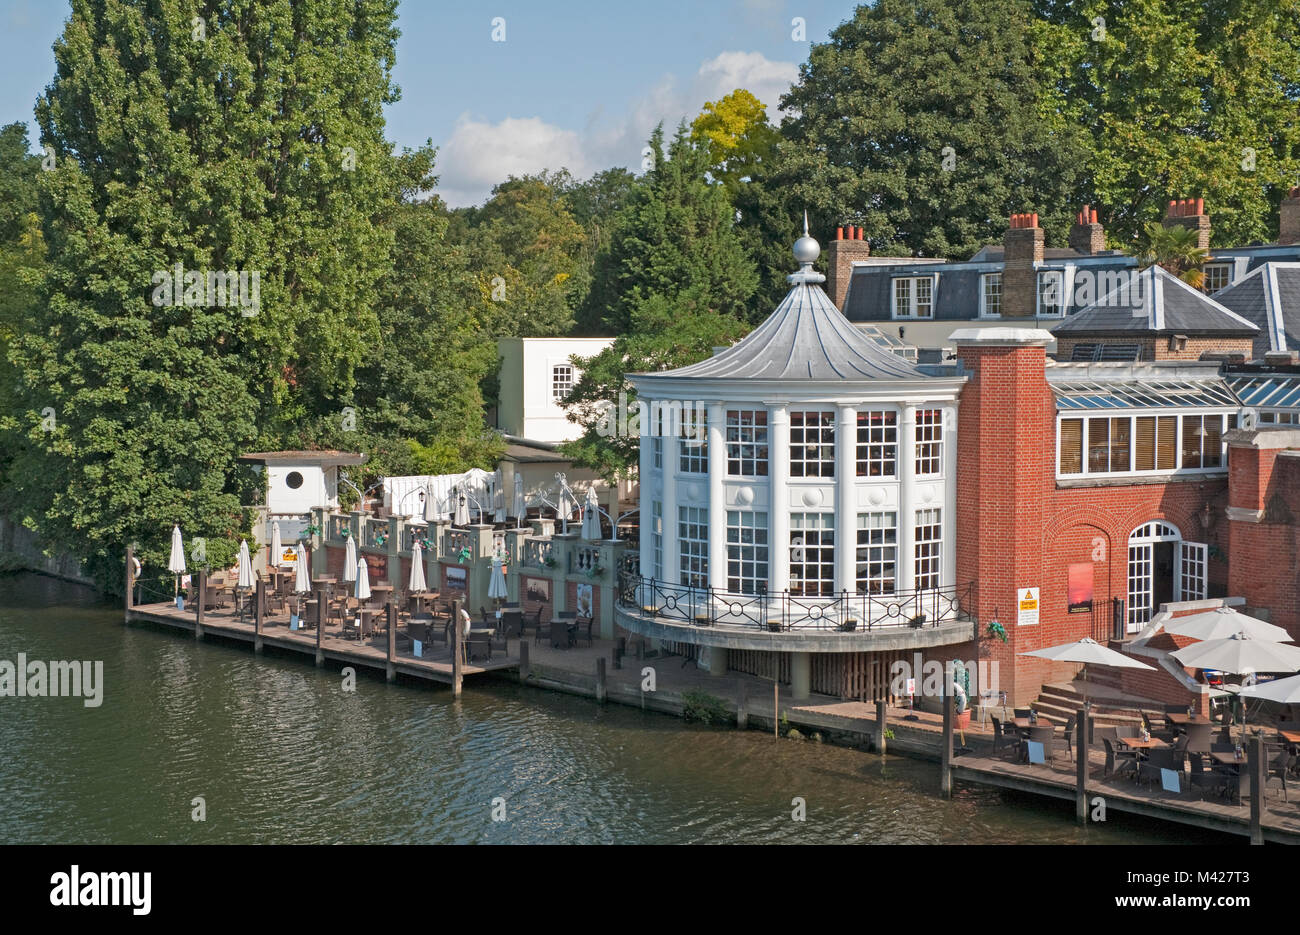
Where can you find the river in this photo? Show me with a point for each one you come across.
(280, 753)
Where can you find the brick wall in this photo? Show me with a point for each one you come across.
(1264, 539)
(840, 254)
(1153, 347)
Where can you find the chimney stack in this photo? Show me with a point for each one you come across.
(848, 245)
(1190, 213)
(1289, 217)
(1022, 249)
(1087, 236)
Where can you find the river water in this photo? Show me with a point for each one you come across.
(280, 753)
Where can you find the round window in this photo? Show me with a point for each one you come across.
(293, 480)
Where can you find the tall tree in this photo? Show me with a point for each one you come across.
(735, 134)
(227, 136)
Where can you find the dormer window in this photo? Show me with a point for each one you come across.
(1051, 293)
(914, 297)
(1217, 276)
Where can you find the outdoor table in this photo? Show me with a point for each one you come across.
(1183, 720)
(1023, 723)
(1226, 758)
(1137, 743)
(1290, 736)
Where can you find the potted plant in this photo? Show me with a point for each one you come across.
(550, 561)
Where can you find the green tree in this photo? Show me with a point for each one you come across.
(250, 139)
(676, 230)
(1175, 250)
(1181, 98)
(926, 122)
(735, 134)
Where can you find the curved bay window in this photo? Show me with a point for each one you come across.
(877, 555)
(746, 551)
(812, 554)
(877, 454)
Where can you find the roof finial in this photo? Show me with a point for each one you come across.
(806, 251)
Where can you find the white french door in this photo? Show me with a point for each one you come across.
(1141, 565)
(1190, 581)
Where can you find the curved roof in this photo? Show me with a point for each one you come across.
(806, 338)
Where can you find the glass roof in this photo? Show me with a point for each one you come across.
(1280, 391)
(1144, 394)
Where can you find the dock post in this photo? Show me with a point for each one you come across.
(523, 660)
(390, 616)
(742, 707)
(198, 607)
(600, 680)
(881, 726)
(945, 761)
(620, 650)
(1255, 763)
(1081, 767)
(457, 644)
(259, 603)
(320, 627)
(130, 582)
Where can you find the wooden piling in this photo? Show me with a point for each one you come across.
(523, 659)
(742, 707)
(620, 650)
(202, 591)
(1255, 763)
(600, 680)
(776, 709)
(881, 726)
(1081, 767)
(457, 648)
(320, 627)
(130, 582)
(390, 618)
(945, 753)
(259, 608)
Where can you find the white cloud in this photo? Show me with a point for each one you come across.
(480, 154)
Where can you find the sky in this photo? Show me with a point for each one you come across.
(575, 84)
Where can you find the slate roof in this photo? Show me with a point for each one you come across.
(806, 338)
(1268, 296)
(1156, 302)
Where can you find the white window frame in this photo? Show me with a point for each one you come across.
(748, 562)
(748, 442)
(985, 279)
(881, 439)
(799, 547)
(570, 374)
(1227, 269)
(1133, 416)
(913, 290)
(657, 532)
(928, 449)
(693, 546)
(877, 537)
(825, 434)
(1043, 276)
(927, 552)
(693, 448)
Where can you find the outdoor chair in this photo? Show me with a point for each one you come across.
(1157, 760)
(1126, 730)
(583, 630)
(1201, 778)
(1068, 732)
(512, 624)
(478, 646)
(1044, 735)
(1004, 736)
(560, 633)
(1198, 738)
(541, 631)
(1100, 733)
(1117, 760)
(1021, 712)
(1277, 769)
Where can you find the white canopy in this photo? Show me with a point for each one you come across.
(1286, 691)
(1222, 623)
(1240, 654)
(401, 494)
(1089, 652)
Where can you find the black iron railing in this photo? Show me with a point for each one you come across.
(845, 612)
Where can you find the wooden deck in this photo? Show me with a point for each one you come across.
(1279, 820)
(435, 664)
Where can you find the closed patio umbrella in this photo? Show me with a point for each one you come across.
(497, 584)
(498, 497)
(591, 516)
(350, 560)
(416, 582)
(276, 546)
(462, 507)
(1089, 652)
(301, 578)
(1240, 654)
(245, 566)
(521, 508)
(363, 581)
(176, 563)
(1222, 623)
(430, 505)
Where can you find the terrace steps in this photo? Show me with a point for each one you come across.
(1111, 708)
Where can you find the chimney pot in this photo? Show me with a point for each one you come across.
(1171, 211)
(839, 233)
(1200, 205)
(1094, 215)
(1034, 221)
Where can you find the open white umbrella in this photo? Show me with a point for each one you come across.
(277, 547)
(521, 508)
(350, 560)
(497, 584)
(462, 507)
(498, 497)
(1239, 654)
(1285, 691)
(1089, 652)
(176, 563)
(416, 582)
(591, 516)
(363, 581)
(1222, 623)
(301, 579)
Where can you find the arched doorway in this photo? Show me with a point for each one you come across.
(1162, 567)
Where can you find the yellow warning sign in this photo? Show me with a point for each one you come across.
(1027, 606)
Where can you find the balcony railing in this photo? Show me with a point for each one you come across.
(583, 559)
(339, 526)
(780, 611)
(537, 552)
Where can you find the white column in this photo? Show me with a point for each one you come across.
(672, 461)
(906, 498)
(846, 499)
(948, 568)
(645, 518)
(717, 497)
(778, 511)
